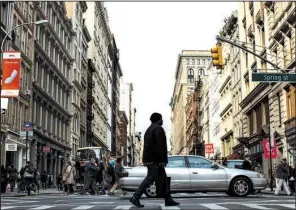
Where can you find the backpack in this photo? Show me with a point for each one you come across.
(29, 173)
(22, 171)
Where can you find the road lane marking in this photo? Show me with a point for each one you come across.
(292, 206)
(8, 207)
(255, 206)
(213, 206)
(42, 207)
(123, 207)
(169, 207)
(82, 207)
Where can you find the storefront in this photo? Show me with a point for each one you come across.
(15, 155)
(290, 133)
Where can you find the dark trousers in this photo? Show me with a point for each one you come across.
(153, 171)
(44, 185)
(12, 185)
(90, 182)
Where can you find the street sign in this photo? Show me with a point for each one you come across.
(209, 148)
(273, 77)
(23, 133)
(27, 126)
(3, 111)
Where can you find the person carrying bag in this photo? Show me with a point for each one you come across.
(163, 184)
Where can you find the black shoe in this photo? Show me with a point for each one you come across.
(136, 202)
(171, 202)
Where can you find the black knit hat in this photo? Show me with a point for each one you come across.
(155, 117)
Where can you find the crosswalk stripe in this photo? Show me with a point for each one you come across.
(8, 207)
(42, 207)
(169, 207)
(83, 207)
(101, 202)
(255, 206)
(213, 206)
(124, 207)
(292, 206)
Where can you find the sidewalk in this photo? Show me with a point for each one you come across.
(22, 194)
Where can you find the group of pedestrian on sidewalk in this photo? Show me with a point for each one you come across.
(9, 177)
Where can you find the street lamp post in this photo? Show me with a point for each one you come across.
(39, 22)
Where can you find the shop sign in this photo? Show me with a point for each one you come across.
(46, 149)
(209, 148)
(266, 148)
(11, 147)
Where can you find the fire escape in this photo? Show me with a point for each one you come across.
(90, 101)
(198, 145)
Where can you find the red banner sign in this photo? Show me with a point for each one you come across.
(11, 70)
(209, 148)
(266, 148)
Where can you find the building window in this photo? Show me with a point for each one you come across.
(279, 108)
(193, 61)
(190, 76)
(188, 62)
(290, 98)
(203, 61)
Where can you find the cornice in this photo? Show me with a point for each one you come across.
(224, 84)
(259, 88)
(225, 109)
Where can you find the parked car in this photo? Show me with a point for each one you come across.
(198, 174)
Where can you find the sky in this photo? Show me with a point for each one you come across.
(150, 35)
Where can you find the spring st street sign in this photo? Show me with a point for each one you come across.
(273, 77)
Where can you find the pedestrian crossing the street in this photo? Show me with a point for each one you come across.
(113, 206)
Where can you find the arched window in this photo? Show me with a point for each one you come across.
(190, 76)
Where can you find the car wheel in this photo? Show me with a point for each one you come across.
(150, 192)
(240, 187)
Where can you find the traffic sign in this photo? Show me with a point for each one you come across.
(3, 111)
(27, 126)
(273, 77)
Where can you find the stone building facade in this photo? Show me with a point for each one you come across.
(267, 108)
(97, 22)
(230, 90)
(18, 109)
(85, 85)
(52, 88)
(189, 63)
(75, 12)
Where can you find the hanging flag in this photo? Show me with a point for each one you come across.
(11, 70)
(266, 149)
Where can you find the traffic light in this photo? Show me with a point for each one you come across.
(217, 56)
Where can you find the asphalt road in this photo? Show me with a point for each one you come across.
(188, 201)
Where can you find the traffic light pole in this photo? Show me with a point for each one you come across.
(247, 50)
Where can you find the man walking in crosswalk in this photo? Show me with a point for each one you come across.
(155, 158)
